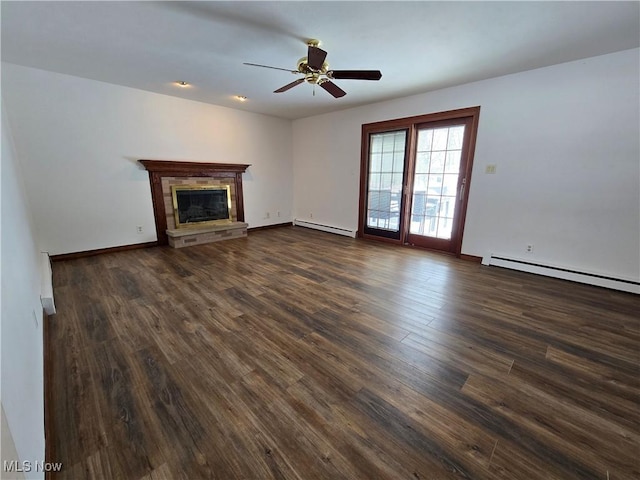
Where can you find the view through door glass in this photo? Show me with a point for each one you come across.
(435, 184)
(384, 194)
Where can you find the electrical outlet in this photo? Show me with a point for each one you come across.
(139, 229)
(529, 248)
(490, 169)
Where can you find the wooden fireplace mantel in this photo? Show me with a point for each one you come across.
(166, 168)
(195, 169)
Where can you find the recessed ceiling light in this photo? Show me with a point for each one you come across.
(182, 83)
(240, 98)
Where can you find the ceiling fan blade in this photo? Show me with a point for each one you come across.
(289, 86)
(273, 68)
(333, 89)
(355, 74)
(315, 57)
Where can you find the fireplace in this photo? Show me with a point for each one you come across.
(208, 216)
(198, 205)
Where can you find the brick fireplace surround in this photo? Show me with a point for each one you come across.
(163, 174)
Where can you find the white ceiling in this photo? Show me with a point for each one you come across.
(418, 46)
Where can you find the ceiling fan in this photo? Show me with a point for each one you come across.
(316, 72)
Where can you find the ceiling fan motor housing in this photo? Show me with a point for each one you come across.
(311, 75)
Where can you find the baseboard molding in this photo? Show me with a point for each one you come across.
(267, 227)
(325, 228)
(598, 280)
(100, 251)
(471, 258)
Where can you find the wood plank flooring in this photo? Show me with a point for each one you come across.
(295, 354)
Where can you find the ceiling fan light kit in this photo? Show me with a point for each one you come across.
(316, 72)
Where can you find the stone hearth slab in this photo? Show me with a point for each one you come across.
(185, 237)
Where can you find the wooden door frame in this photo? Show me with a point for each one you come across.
(410, 124)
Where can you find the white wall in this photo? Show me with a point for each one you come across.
(21, 322)
(79, 141)
(565, 140)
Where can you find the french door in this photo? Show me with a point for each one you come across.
(415, 179)
(385, 183)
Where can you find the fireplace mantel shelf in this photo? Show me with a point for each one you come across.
(169, 167)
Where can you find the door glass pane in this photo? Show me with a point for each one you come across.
(422, 162)
(385, 181)
(436, 181)
(396, 182)
(421, 182)
(374, 181)
(386, 169)
(434, 187)
(455, 137)
(387, 162)
(376, 162)
(440, 137)
(449, 184)
(452, 164)
(437, 162)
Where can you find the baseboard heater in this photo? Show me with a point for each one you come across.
(624, 285)
(325, 228)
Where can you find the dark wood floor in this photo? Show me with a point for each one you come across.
(295, 354)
